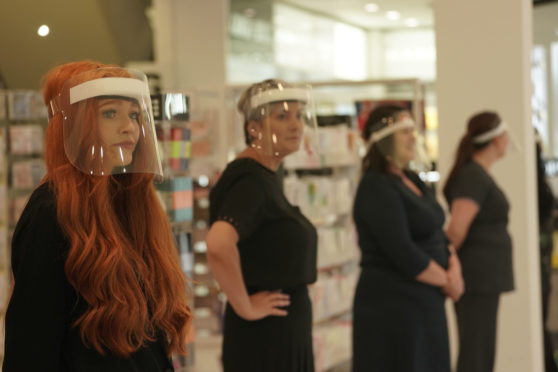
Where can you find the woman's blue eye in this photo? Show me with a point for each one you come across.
(109, 114)
(134, 116)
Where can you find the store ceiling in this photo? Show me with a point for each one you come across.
(112, 31)
(353, 12)
(118, 31)
(109, 31)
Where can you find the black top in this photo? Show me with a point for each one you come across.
(486, 252)
(43, 306)
(277, 244)
(397, 229)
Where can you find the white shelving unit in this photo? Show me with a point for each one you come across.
(22, 125)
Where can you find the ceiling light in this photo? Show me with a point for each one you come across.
(411, 22)
(371, 7)
(393, 15)
(43, 31)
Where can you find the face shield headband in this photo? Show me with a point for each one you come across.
(110, 86)
(278, 95)
(391, 128)
(108, 125)
(491, 134)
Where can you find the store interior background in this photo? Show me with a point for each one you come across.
(213, 48)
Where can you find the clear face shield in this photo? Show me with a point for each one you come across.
(390, 146)
(282, 121)
(108, 122)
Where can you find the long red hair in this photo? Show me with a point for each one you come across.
(122, 258)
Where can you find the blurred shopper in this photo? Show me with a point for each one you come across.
(399, 322)
(478, 229)
(261, 249)
(98, 286)
(546, 245)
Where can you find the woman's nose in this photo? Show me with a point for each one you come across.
(128, 125)
(295, 123)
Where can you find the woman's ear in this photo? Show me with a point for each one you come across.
(254, 129)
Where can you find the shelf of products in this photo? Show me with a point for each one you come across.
(171, 112)
(322, 185)
(23, 120)
(4, 256)
(184, 125)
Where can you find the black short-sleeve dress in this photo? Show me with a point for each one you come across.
(486, 261)
(486, 252)
(399, 324)
(277, 247)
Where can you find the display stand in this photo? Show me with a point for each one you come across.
(23, 120)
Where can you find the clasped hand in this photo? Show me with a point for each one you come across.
(455, 287)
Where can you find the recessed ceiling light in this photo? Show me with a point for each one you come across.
(371, 7)
(393, 15)
(412, 22)
(43, 31)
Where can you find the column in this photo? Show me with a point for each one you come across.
(483, 62)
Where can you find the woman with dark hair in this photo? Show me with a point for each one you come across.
(478, 229)
(261, 249)
(546, 244)
(97, 284)
(399, 321)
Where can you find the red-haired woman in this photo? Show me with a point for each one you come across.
(478, 229)
(97, 284)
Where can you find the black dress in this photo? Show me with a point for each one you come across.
(399, 324)
(43, 306)
(277, 247)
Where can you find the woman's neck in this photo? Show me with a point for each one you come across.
(485, 159)
(395, 169)
(268, 161)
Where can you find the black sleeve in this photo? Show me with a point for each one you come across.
(381, 213)
(35, 317)
(470, 183)
(242, 205)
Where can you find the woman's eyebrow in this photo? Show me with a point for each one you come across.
(105, 102)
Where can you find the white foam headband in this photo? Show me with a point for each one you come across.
(390, 129)
(493, 133)
(277, 95)
(113, 86)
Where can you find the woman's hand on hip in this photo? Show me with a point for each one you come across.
(267, 303)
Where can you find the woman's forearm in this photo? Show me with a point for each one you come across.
(434, 274)
(456, 238)
(224, 260)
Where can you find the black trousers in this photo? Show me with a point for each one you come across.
(476, 320)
